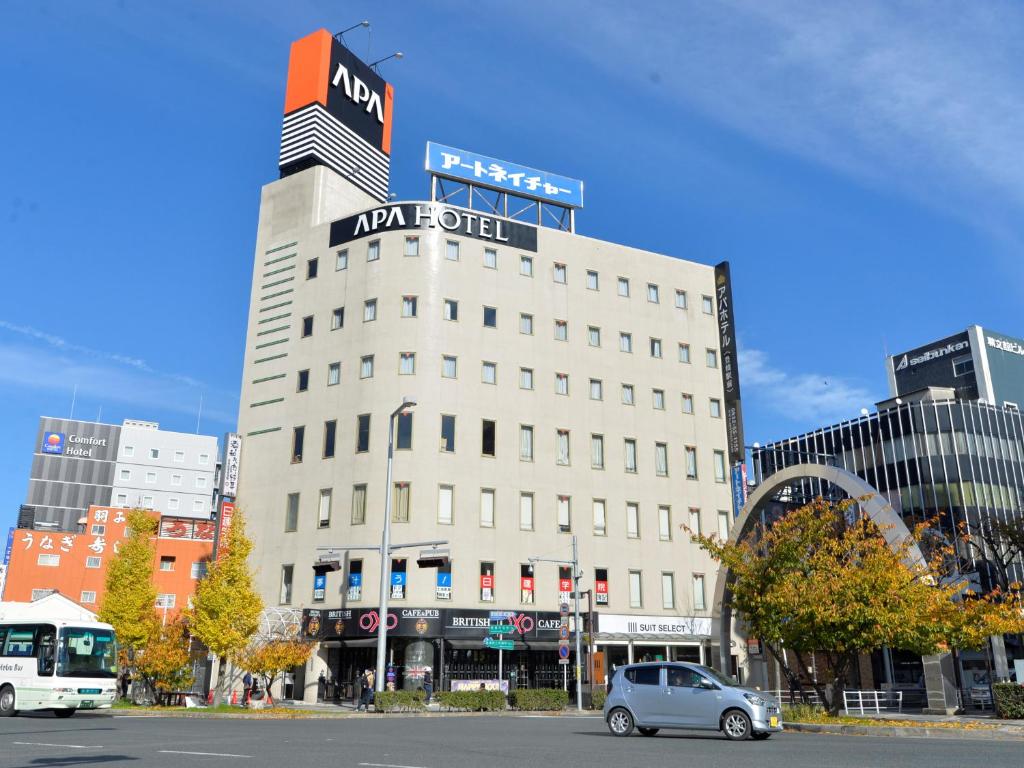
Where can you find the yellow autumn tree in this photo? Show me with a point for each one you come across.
(226, 608)
(269, 658)
(129, 601)
(164, 663)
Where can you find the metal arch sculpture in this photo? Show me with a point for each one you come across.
(874, 506)
(278, 623)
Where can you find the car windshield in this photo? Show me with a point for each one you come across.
(87, 653)
(718, 677)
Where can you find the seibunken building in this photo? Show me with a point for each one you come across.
(563, 386)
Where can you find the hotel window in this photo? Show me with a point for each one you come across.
(369, 310)
(333, 374)
(403, 432)
(658, 399)
(358, 504)
(400, 503)
(412, 246)
(311, 268)
(635, 595)
(451, 251)
(597, 451)
(661, 459)
(154, 453)
(362, 433)
(684, 353)
(373, 250)
(526, 324)
(366, 367)
(287, 571)
(630, 454)
(50, 561)
(562, 447)
(487, 582)
(341, 261)
(490, 317)
(88, 597)
(92, 562)
(291, 513)
(98, 530)
(594, 336)
(330, 433)
(526, 266)
(406, 363)
(489, 373)
(625, 342)
(655, 347)
(526, 378)
(204, 458)
(596, 389)
(561, 330)
(179, 457)
(167, 563)
(409, 306)
(600, 518)
(122, 499)
(197, 504)
(200, 482)
(624, 287)
(707, 305)
(324, 514)
(198, 570)
(680, 299)
(652, 293)
(561, 383)
(449, 366)
(691, 462)
(175, 479)
(526, 511)
(451, 309)
(698, 592)
(712, 358)
(126, 474)
(632, 520)
(719, 466)
(526, 583)
(687, 403)
(564, 512)
(168, 600)
(303, 382)
(668, 591)
(487, 437)
(591, 280)
(444, 504)
(129, 451)
(298, 437)
(715, 407)
(628, 397)
(490, 258)
(307, 326)
(695, 528)
(723, 525)
(486, 507)
(664, 523)
(447, 433)
(525, 442)
(560, 273)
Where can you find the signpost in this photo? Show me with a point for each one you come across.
(500, 645)
(498, 624)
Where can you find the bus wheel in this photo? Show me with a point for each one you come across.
(7, 701)
(63, 712)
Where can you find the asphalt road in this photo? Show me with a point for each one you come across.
(94, 739)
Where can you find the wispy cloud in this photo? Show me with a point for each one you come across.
(804, 399)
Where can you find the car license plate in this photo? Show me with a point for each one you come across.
(88, 704)
(773, 722)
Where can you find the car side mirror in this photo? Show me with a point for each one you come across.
(707, 685)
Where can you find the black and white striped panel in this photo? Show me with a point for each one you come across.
(313, 131)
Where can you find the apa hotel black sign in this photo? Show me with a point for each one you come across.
(443, 218)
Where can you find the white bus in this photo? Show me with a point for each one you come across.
(55, 664)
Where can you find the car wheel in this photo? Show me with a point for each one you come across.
(7, 701)
(760, 736)
(647, 731)
(620, 722)
(736, 725)
(63, 712)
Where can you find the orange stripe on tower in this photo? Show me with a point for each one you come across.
(308, 71)
(389, 103)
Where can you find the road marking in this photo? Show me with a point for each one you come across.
(46, 744)
(204, 754)
(389, 765)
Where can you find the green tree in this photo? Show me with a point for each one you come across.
(226, 609)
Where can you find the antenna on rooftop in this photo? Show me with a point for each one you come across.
(74, 396)
(200, 416)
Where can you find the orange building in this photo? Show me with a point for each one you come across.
(75, 564)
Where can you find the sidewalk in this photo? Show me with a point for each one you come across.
(968, 726)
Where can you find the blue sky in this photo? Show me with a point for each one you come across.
(861, 165)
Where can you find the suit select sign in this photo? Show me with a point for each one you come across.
(683, 627)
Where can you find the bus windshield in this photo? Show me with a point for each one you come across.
(87, 652)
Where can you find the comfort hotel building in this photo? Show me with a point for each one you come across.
(564, 386)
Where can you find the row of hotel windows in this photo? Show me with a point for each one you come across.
(487, 512)
(410, 308)
(527, 585)
(125, 475)
(128, 451)
(488, 445)
(173, 503)
(559, 273)
(198, 570)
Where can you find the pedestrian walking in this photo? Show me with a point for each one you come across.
(364, 687)
(246, 687)
(428, 684)
(371, 680)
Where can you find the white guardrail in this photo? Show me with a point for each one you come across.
(863, 702)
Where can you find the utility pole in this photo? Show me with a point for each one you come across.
(576, 576)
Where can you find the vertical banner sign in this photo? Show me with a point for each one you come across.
(487, 587)
(398, 585)
(319, 585)
(355, 586)
(443, 589)
(601, 592)
(526, 589)
(10, 545)
(227, 511)
(232, 461)
(731, 383)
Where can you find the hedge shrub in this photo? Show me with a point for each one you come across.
(399, 701)
(473, 701)
(543, 699)
(597, 697)
(1009, 700)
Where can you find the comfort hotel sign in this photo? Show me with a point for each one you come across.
(432, 216)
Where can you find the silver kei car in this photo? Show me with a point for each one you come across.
(660, 695)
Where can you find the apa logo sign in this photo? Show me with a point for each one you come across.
(358, 92)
